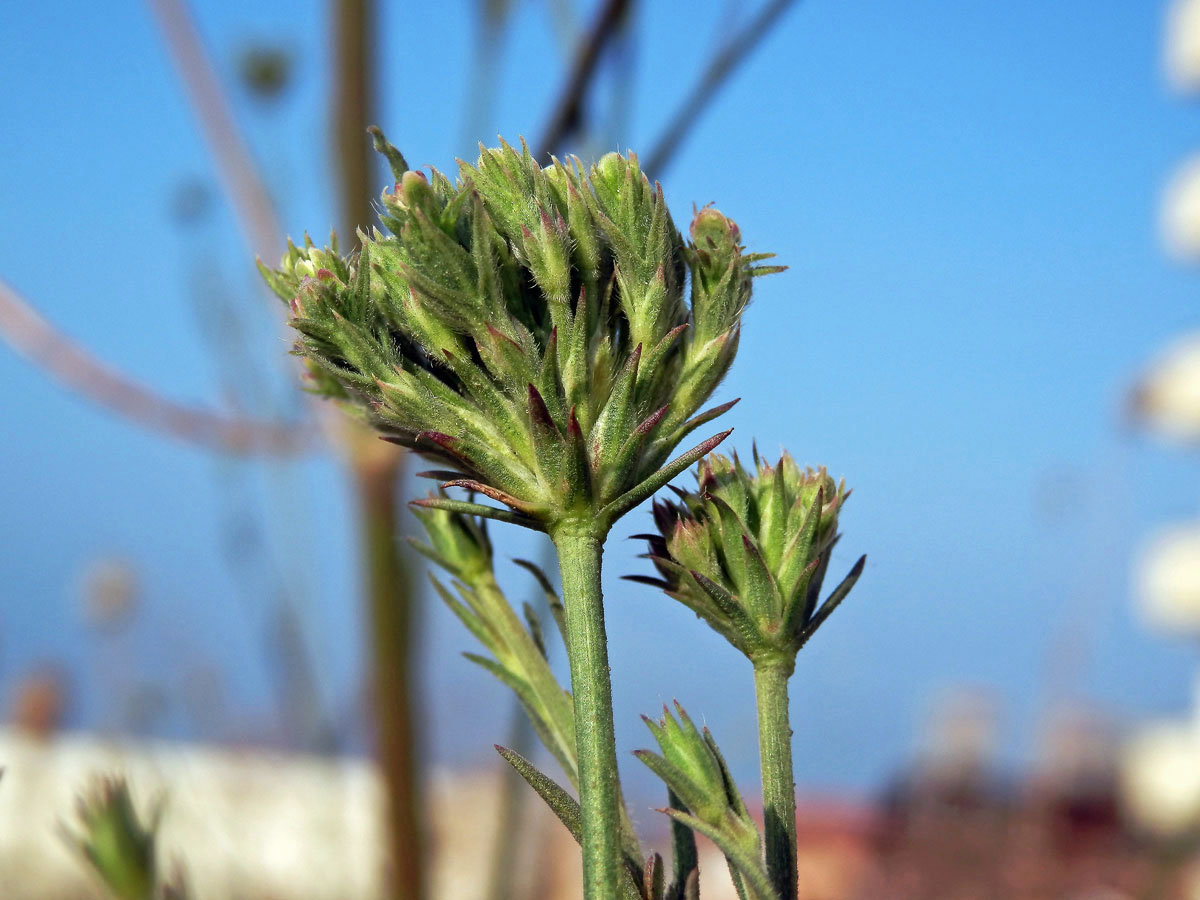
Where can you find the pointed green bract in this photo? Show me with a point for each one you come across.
(564, 806)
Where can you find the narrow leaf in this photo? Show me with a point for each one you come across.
(478, 509)
(470, 484)
(636, 495)
(652, 878)
(563, 805)
(552, 599)
(741, 858)
(732, 611)
(692, 794)
(467, 616)
(535, 628)
(761, 590)
(684, 857)
(395, 158)
(704, 418)
(835, 599)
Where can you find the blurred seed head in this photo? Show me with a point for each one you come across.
(109, 593)
(115, 840)
(266, 71)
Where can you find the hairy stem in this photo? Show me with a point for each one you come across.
(778, 780)
(579, 553)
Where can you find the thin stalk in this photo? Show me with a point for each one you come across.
(579, 552)
(390, 620)
(559, 717)
(352, 109)
(510, 818)
(778, 780)
(376, 470)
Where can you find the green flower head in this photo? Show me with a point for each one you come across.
(704, 797)
(747, 552)
(546, 333)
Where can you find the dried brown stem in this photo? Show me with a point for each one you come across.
(351, 110)
(392, 622)
(70, 364)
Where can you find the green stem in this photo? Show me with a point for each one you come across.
(778, 781)
(580, 547)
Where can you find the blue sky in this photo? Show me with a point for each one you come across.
(966, 195)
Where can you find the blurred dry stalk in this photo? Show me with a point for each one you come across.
(77, 369)
(732, 53)
(375, 467)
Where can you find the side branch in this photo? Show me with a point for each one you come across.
(71, 365)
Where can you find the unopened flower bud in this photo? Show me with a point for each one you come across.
(748, 551)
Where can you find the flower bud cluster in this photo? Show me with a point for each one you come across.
(747, 552)
(692, 767)
(527, 325)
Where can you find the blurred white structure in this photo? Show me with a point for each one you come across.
(1180, 212)
(1182, 46)
(257, 825)
(1181, 205)
(267, 826)
(1161, 776)
(1166, 396)
(1168, 580)
(1161, 771)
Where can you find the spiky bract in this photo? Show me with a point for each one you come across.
(747, 552)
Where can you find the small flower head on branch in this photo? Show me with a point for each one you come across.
(528, 328)
(747, 552)
(705, 797)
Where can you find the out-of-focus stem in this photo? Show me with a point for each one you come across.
(73, 365)
(353, 106)
(376, 468)
(732, 52)
(244, 187)
(391, 622)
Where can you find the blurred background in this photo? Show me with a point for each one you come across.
(988, 215)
